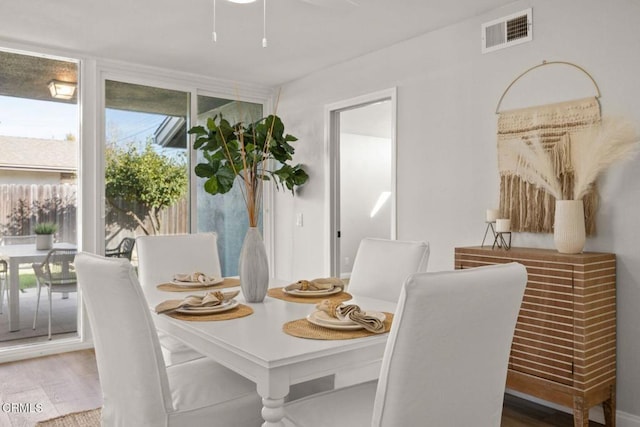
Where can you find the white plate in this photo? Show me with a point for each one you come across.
(211, 282)
(321, 318)
(225, 306)
(299, 293)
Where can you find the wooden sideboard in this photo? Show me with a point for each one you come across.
(564, 345)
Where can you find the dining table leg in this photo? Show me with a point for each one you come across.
(14, 295)
(273, 389)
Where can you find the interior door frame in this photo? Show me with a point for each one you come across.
(332, 169)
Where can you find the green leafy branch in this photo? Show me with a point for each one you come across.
(254, 153)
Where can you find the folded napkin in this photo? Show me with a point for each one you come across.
(209, 299)
(353, 313)
(323, 284)
(193, 277)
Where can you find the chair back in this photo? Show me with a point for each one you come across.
(447, 354)
(381, 266)
(133, 378)
(57, 270)
(123, 250)
(59, 267)
(161, 257)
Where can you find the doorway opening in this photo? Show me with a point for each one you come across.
(362, 175)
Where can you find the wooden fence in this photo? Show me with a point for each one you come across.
(174, 220)
(22, 206)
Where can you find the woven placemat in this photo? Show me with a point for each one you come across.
(302, 328)
(229, 282)
(278, 293)
(240, 311)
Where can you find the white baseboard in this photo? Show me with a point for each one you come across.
(30, 351)
(596, 413)
(624, 419)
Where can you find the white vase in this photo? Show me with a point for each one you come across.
(568, 229)
(253, 267)
(44, 242)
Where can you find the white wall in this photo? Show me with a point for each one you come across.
(29, 177)
(363, 163)
(446, 146)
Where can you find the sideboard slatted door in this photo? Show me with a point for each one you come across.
(564, 345)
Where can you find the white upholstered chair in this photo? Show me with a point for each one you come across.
(381, 267)
(445, 363)
(137, 388)
(160, 257)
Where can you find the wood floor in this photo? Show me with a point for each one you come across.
(68, 382)
(61, 384)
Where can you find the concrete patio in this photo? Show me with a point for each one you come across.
(64, 320)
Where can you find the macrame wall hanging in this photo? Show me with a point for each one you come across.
(530, 208)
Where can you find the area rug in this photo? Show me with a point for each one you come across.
(90, 418)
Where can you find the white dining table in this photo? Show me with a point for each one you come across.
(16, 255)
(256, 347)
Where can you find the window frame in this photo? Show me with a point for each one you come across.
(92, 73)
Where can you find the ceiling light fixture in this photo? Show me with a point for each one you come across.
(62, 90)
(214, 35)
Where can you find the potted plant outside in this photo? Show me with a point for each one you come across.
(252, 153)
(44, 235)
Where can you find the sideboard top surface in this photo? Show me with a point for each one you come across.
(542, 254)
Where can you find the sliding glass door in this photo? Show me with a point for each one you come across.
(225, 214)
(149, 168)
(146, 162)
(39, 146)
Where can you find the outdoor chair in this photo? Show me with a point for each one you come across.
(4, 268)
(123, 250)
(57, 274)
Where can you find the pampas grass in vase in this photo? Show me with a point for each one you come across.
(592, 152)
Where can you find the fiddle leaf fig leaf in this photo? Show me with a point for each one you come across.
(211, 185)
(204, 170)
(197, 130)
(226, 176)
(259, 149)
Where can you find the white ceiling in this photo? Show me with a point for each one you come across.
(303, 35)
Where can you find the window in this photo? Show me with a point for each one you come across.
(147, 168)
(225, 214)
(146, 161)
(39, 146)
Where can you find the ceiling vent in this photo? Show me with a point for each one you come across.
(507, 31)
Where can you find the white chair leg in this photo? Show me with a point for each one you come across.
(35, 315)
(2, 291)
(49, 288)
